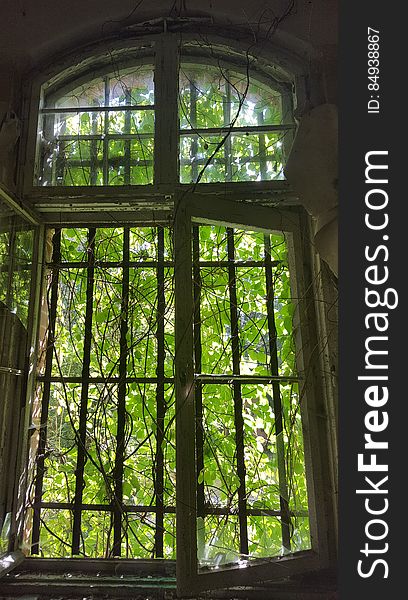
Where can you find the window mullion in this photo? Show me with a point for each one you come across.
(83, 412)
(166, 115)
(186, 521)
(277, 400)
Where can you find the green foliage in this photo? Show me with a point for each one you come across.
(210, 97)
(113, 147)
(16, 257)
(218, 535)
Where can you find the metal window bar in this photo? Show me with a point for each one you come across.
(197, 284)
(142, 508)
(98, 136)
(116, 506)
(82, 434)
(238, 417)
(277, 401)
(160, 399)
(107, 379)
(166, 263)
(235, 379)
(38, 486)
(121, 409)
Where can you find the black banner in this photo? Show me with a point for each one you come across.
(372, 298)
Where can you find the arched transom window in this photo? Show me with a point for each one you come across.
(231, 127)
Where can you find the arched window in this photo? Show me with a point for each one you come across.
(231, 126)
(175, 400)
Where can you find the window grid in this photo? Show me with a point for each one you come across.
(192, 167)
(234, 380)
(105, 162)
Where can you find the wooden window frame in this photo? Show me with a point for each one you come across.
(190, 209)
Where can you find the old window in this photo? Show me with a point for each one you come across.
(175, 400)
(214, 101)
(105, 483)
(101, 132)
(232, 127)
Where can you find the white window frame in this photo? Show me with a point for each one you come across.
(190, 209)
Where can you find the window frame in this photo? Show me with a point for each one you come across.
(190, 209)
(74, 206)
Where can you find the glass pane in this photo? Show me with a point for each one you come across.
(75, 162)
(84, 146)
(260, 447)
(220, 470)
(61, 454)
(214, 96)
(195, 151)
(76, 124)
(16, 257)
(133, 87)
(264, 536)
(294, 451)
(218, 540)
(100, 444)
(130, 161)
(252, 321)
(213, 242)
(131, 121)
(215, 321)
(70, 323)
(138, 483)
(139, 537)
(91, 93)
(96, 528)
(142, 319)
(109, 244)
(74, 244)
(256, 157)
(105, 346)
(55, 540)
